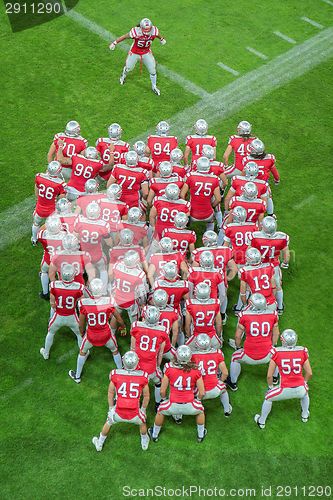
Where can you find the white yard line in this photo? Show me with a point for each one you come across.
(17, 388)
(257, 53)
(284, 37)
(227, 68)
(328, 2)
(108, 36)
(249, 88)
(305, 201)
(67, 355)
(312, 22)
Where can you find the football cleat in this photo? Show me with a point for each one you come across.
(73, 376)
(156, 90)
(44, 353)
(178, 419)
(305, 419)
(96, 443)
(200, 439)
(150, 434)
(33, 241)
(256, 419)
(232, 385)
(229, 412)
(224, 318)
(235, 310)
(144, 443)
(276, 380)
(232, 344)
(122, 79)
(44, 296)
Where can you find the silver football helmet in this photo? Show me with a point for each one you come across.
(269, 225)
(258, 302)
(176, 155)
(206, 259)
(181, 220)
(146, 25)
(130, 360)
(151, 315)
(239, 214)
(68, 273)
(166, 245)
(114, 192)
(53, 224)
(140, 148)
(91, 153)
(91, 186)
(257, 147)
(172, 192)
(134, 214)
(183, 354)
(126, 237)
(289, 338)
(70, 243)
(162, 128)
(170, 271)
(251, 169)
(160, 298)
(250, 191)
(93, 210)
(244, 128)
(202, 291)
(54, 168)
(131, 158)
(208, 151)
(201, 127)
(115, 131)
(131, 259)
(252, 257)
(203, 342)
(96, 287)
(72, 129)
(63, 206)
(165, 169)
(209, 239)
(203, 164)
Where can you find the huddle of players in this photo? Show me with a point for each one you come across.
(101, 258)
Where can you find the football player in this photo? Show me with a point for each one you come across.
(142, 35)
(255, 207)
(143, 160)
(66, 215)
(176, 156)
(64, 296)
(291, 360)
(195, 143)
(96, 330)
(183, 239)
(240, 145)
(166, 254)
(206, 272)
(166, 176)
(261, 330)
(90, 194)
(113, 210)
(250, 174)
(126, 243)
(168, 317)
(176, 288)
(186, 391)
(237, 234)
(127, 385)
(138, 226)
(160, 145)
(111, 148)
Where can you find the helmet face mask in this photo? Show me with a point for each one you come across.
(151, 315)
(114, 192)
(91, 186)
(251, 169)
(250, 191)
(96, 287)
(90, 153)
(162, 128)
(257, 147)
(134, 214)
(63, 206)
(130, 360)
(203, 164)
(258, 302)
(131, 158)
(166, 245)
(176, 155)
(115, 131)
(252, 257)
(203, 342)
(289, 338)
(202, 292)
(165, 169)
(131, 259)
(208, 151)
(170, 271)
(68, 273)
(54, 168)
(126, 237)
(160, 298)
(269, 225)
(181, 220)
(72, 129)
(70, 242)
(209, 239)
(53, 224)
(206, 259)
(239, 214)
(172, 192)
(201, 127)
(93, 211)
(146, 25)
(244, 128)
(140, 148)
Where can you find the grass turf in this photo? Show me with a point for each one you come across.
(59, 71)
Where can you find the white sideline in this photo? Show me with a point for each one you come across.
(108, 36)
(257, 53)
(284, 37)
(328, 2)
(312, 22)
(249, 88)
(227, 68)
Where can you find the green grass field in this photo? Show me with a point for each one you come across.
(60, 71)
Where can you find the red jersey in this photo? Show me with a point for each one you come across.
(266, 166)
(127, 284)
(140, 230)
(49, 188)
(290, 364)
(258, 278)
(270, 247)
(182, 383)
(203, 315)
(258, 331)
(158, 184)
(117, 253)
(77, 259)
(51, 243)
(179, 170)
(222, 255)
(254, 208)
(159, 260)
(130, 179)
(239, 181)
(91, 234)
(103, 147)
(129, 386)
(213, 277)
(196, 143)
(176, 290)
(166, 212)
(83, 201)
(68, 221)
(201, 188)
(181, 238)
(241, 148)
(148, 340)
(98, 313)
(112, 211)
(142, 41)
(66, 296)
(83, 169)
(216, 167)
(73, 145)
(160, 147)
(238, 234)
(208, 364)
(168, 317)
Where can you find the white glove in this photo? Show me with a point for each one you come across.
(284, 265)
(112, 45)
(163, 41)
(143, 410)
